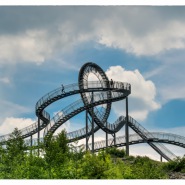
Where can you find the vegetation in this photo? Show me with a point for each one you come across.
(63, 161)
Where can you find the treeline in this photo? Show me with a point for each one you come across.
(63, 161)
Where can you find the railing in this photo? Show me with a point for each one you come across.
(145, 135)
(133, 138)
(78, 106)
(24, 131)
(33, 128)
(75, 87)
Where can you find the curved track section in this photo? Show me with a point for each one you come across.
(57, 94)
(142, 133)
(157, 137)
(85, 71)
(94, 94)
(65, 114)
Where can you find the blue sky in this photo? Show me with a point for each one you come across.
(44, 47)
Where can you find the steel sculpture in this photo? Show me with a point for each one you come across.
(96, 100)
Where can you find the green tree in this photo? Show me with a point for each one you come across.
(115, 152)
(118, 170)
(57, 149)
(34, 167)
(15, 146)
(14, 153)
(93, 166)
(57, 153)
(176, 165)
(145, 168)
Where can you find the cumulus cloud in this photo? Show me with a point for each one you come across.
(5, 80)
(154, 42)
(31, 46)
(126, 28)
(38, 45)
(10, 123)
(143, 93)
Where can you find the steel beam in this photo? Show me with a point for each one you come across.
(38, 136)
(86, 130)
(161, 158)
(114, 138)
(106, 137)
(127, 129)
(31, 143)
(92, 123)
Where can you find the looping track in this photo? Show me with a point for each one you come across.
(93, 94)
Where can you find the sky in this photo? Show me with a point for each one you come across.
(42, 47)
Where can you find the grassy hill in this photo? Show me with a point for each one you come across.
(63, 161)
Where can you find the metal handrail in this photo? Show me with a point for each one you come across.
(133, 138)
(144, 133)
(77, 105)
(31, 129)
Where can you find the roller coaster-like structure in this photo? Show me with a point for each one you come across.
(96, 100)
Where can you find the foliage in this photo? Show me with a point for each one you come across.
(56, 150)
(176, 165)
(93, 166)
(61, 160)
(13, 155)
(115, 152)
(145, 168)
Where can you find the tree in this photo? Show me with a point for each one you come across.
(57, 149)
(15, 147)
(114, 152)
(93, 166)
(176, 165)
(14, 153)
(145, 168)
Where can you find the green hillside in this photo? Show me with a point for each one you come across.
(63, 161)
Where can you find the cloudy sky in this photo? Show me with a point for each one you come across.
(44, 47)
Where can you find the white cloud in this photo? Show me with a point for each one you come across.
(5, 80)
(10, 123)
(143, 93)
(38, 45)
(31, 46)
(131, 31)
(162, 38)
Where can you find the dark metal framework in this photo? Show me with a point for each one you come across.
(86, 70)
(96, 100)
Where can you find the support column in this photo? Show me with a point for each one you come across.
(86, 131)
(31, 144)
(114, 138)
(92, 123)
(126, 129)
(38, 137)
(161, 158)
(106, 137)
(31, 141)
